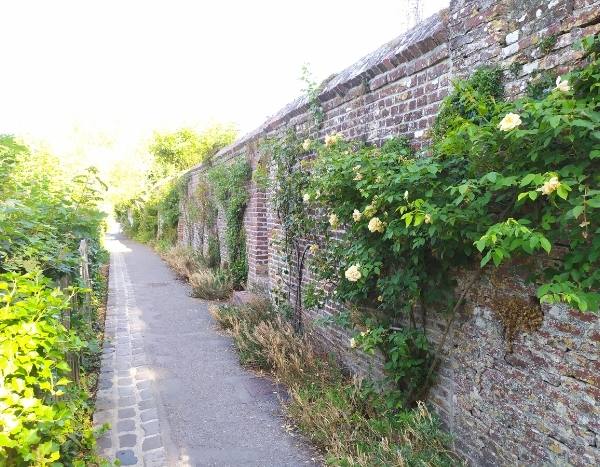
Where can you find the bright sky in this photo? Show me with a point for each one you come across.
(114, 70)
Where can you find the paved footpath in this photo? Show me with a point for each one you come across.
(171, 387)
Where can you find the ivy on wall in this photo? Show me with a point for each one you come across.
(291, 175)
(386, 231)
(230, 188)
(505, 184)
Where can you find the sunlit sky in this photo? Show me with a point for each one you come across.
(112, 71)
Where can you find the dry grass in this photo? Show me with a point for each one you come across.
(347, 418)
(206, 283)
(210, 285)
(181, 260)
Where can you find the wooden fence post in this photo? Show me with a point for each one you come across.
(84, 272)
(73, 358)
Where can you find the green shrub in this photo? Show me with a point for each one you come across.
(166, 182)
(40, 406)
(511, 184)
(472, 100)
(45, 418)
(43, 216)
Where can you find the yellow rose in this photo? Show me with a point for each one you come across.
(562, 86)
(334, 220)
(332, 139)
(370, 211)
(356, 215)
(375, 225)
(550, 186)
(380, 298)
(509, 122)
(352, 273)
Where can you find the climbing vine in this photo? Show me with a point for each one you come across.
(312, 91)
(506, 183)
(202, 214)
(291, 176)
(230, 187)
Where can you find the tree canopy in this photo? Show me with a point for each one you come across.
(184, 148)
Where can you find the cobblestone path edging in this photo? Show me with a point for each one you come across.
(172, 388)
(125, 397)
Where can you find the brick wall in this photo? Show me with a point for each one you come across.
(539, 402)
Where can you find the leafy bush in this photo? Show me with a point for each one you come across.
(505, 183)
(45, 405)
(42, 215)
(185, 148)
(472, 100)
(38, 402)
(348, 418)
(151, 216)
(154, 215)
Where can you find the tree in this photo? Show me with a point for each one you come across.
(185, 148)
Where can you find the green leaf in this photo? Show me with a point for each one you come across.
(577, 211)
(527, 180)
(594, 202)
(562, 191)
(534, 241)
(554, 120)
(583, 124)
(545, 244)
(480, 244)
(497, 256)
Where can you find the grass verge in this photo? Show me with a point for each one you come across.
(207, 283)
(346, 417)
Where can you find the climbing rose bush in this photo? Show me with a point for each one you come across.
(502, 181)
(562, 85)
(353, 273)
(509, 122)
(518, 183)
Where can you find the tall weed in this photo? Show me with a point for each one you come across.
(349, 418)
(211, 285)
